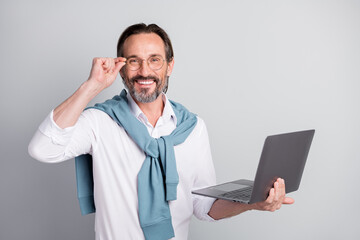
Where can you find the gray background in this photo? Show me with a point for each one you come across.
(248, 68)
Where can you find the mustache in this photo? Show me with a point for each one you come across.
(139, 77)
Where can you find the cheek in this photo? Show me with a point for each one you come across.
(163, 77)
(126, 74)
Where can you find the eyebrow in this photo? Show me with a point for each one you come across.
(136, 56)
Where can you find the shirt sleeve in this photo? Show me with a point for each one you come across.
(52, 144)
(205, 177)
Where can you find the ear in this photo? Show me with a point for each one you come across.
(170, 67)
(121, 72)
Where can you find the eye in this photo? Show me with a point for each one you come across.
(133, 61)
(155, 59)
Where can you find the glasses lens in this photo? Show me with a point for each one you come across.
(134, 63)
(155, 62)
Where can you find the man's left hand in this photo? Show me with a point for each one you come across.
(275, 199)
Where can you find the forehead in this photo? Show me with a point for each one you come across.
(144, 45)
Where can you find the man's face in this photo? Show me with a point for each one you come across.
(145, 84)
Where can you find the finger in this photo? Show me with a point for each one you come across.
(112, 65)
(271, 201)
(108, 64)
(118, 66)
(277, 191)
(271, 196)
(279, 187)
(98, 66)
(119, 59)
(104, 64)
(98, 61)
(282, 182)
(282, 188)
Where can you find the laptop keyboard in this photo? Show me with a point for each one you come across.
(243, 193)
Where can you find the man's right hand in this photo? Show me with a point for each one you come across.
(104, 71)
(103, 74)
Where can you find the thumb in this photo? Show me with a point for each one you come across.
(119, 63)
(118, 66)
(288, 200)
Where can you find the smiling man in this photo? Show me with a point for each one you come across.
(145, 81)
(138, 155)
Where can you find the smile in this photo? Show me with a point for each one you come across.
(145, 82)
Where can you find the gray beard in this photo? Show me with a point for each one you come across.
(144, 96)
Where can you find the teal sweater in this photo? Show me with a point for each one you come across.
(158, 177)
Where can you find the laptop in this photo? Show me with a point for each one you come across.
(283, 156)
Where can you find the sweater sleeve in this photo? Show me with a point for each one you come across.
(205, 177)
(52, 144)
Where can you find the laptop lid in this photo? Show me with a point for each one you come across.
(283, 155)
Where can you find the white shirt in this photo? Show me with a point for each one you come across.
(116, 163)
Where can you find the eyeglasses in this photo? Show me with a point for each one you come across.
(154, 62)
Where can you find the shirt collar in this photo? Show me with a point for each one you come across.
(167, 115)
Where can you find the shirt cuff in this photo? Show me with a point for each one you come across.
(202, 207)
(57, 134)
(209, 203)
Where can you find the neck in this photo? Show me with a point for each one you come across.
(152, 110)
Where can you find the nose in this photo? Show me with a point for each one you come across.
(144, 69)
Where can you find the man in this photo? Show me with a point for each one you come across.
(137, 198)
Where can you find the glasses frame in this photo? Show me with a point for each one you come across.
(141, 60)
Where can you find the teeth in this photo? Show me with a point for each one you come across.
(146, 82)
